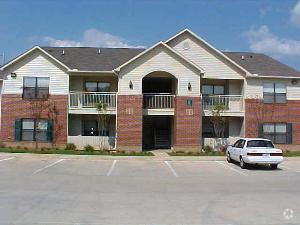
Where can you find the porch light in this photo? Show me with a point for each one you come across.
(130, 84)
(13, 75)
(189, 86)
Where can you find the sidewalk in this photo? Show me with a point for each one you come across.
(159, 156)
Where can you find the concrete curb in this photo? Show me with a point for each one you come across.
(107, 157)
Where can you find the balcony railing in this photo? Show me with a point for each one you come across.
(78, 100)
(158, 101)
(232, 103)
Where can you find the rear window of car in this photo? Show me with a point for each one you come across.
(260, 143)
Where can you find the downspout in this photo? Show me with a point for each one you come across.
(116, 122)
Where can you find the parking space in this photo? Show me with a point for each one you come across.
(81, 191)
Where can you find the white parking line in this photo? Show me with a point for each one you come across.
(111, 168)
(171, 168)
(52, 164)
(229, 167)
(288, 168)
(1, 160)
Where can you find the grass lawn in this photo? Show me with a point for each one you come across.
(196, 153)
(285, 154)
(74, 152)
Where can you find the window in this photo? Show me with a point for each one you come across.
(277, 132)
(260, 144)
(90, 128)
(94, 86)
(239, 143)
(35, 87)
(34, 130)
(213, 90)
(274, 93)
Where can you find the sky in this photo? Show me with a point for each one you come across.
(265, 26)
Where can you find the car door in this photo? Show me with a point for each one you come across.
(234, 149)
(239, 149)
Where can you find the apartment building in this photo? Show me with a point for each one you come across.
(160, 97)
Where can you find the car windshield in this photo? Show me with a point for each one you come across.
(260, 143)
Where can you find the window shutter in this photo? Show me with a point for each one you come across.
(18, 128)
(260, 130)
(289, 133)
(50, 131)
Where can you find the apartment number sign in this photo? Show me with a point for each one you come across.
(189, 102)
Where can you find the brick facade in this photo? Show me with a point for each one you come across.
(187, 124)
(129, 122)
(257, 112)
(14, 107)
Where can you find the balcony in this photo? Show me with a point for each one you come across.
(234, 104)
(158, 104)
(84, 102)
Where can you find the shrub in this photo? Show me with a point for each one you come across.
(89, 148)
(18, 147)
(207, 148)
(190, 153)
(223, 148)
(2, 145)
(70, 146)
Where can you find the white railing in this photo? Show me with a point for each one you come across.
(81, 141)
(158, 101)
(89, 99)
(233, 103)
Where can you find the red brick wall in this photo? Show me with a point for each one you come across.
(258, 112)
(129, 122)
(14, 107)
(187, 124)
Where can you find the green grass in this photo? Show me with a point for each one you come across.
(196, 153)
(74, 152)
(291, 154)
(285, 154)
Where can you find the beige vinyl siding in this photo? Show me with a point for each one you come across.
(213, 64)
(159, 59)
(36, 65)
(254, 87)
(77, 82)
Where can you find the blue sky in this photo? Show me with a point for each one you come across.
(268, 26)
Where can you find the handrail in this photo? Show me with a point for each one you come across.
(158, 101)
(80, 100)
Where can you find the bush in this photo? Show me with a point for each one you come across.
(70, 146)
(207, 148)
(223, 148)
(89, 148)
(2, 145)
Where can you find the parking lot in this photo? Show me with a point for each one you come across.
(43, 190)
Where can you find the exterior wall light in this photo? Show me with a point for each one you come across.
(13, 75)
(130, 85)
(189, 86)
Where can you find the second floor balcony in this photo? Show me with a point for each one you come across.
(86, 101)
(230, 104)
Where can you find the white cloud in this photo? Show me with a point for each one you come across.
(91, 38)
(295, 14)
(264, 41)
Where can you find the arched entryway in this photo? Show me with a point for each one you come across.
(159, 90)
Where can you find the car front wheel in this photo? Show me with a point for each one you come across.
(243, 165)
(229, 160)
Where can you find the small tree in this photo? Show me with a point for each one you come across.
(43, 109)
(103, 121)
(218, 121)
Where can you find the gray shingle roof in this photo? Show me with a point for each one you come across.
(88, 59)
(262, 64)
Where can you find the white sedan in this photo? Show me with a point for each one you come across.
(254, 151)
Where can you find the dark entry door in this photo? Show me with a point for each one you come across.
(162, 138)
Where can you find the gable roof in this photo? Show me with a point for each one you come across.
(262, 65)
(162, 44)
(187, 31)
(28, 52)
